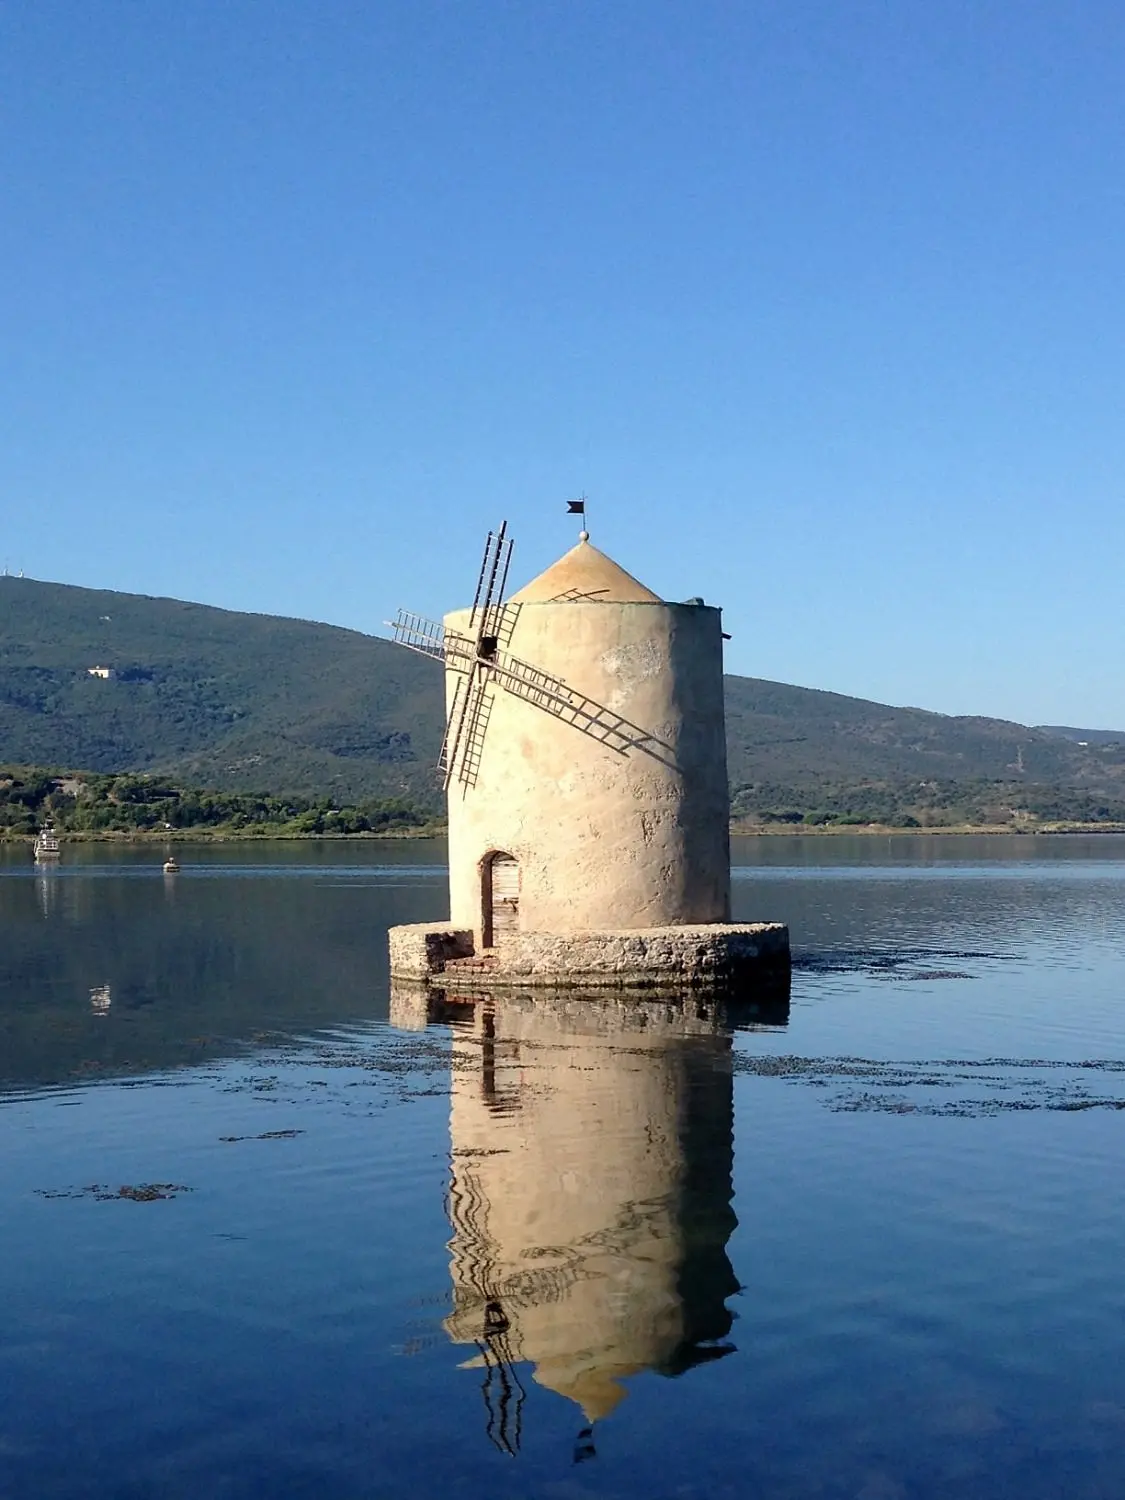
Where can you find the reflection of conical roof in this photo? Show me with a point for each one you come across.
(597, 1392)
(585, 573)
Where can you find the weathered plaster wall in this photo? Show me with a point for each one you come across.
(604, 840)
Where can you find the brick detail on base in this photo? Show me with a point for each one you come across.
(424, 948)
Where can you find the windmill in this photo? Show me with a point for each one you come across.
(483, 663)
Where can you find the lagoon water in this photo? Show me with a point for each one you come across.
(266, 1230)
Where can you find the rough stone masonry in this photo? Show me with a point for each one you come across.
(707, 954)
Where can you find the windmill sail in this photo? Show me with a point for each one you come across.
(461, 716)
(432, 639)
(470, 711)
(454, 712)
(497, 557)
(419, 633)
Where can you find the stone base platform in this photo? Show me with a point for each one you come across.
(715, 955)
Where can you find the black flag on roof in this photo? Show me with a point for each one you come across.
(576, 507)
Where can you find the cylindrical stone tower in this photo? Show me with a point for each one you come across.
(605, 806)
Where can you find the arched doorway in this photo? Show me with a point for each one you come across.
(501, 914)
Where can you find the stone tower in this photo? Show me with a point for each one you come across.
(586, 772)
(565, 827)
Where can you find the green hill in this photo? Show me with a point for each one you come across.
(212, 697)
(244, 702)
(1085, 736)
(800, 750)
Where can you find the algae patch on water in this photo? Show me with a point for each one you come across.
(132, 1192)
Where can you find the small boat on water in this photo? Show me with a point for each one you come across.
(170, 866)
(47, 848)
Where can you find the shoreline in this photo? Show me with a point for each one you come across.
(753, 830)
(224, 836)
(868, 830)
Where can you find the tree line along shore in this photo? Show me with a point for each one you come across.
(90, 806)
(84, 806)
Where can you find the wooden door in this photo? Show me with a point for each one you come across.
(503, 898)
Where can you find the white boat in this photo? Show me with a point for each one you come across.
(170, 866)
(47, 848)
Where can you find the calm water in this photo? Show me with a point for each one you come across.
(864, 1240)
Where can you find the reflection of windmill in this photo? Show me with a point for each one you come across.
(502, 1389)
(482, 663)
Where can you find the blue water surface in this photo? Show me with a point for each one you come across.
(267, 1229)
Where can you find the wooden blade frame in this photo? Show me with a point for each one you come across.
(468, 715)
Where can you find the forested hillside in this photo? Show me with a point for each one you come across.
(237, 702)
(212, 697)
(799, 754)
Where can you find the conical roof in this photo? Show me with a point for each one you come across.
(584, 573)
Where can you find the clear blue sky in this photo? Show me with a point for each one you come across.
(820, 302)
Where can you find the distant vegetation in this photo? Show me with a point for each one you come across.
(101, 806)
(932, 804)
(213, 698)
(799, 756)
(339, 726)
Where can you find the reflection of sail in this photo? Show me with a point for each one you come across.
(590, 1197)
